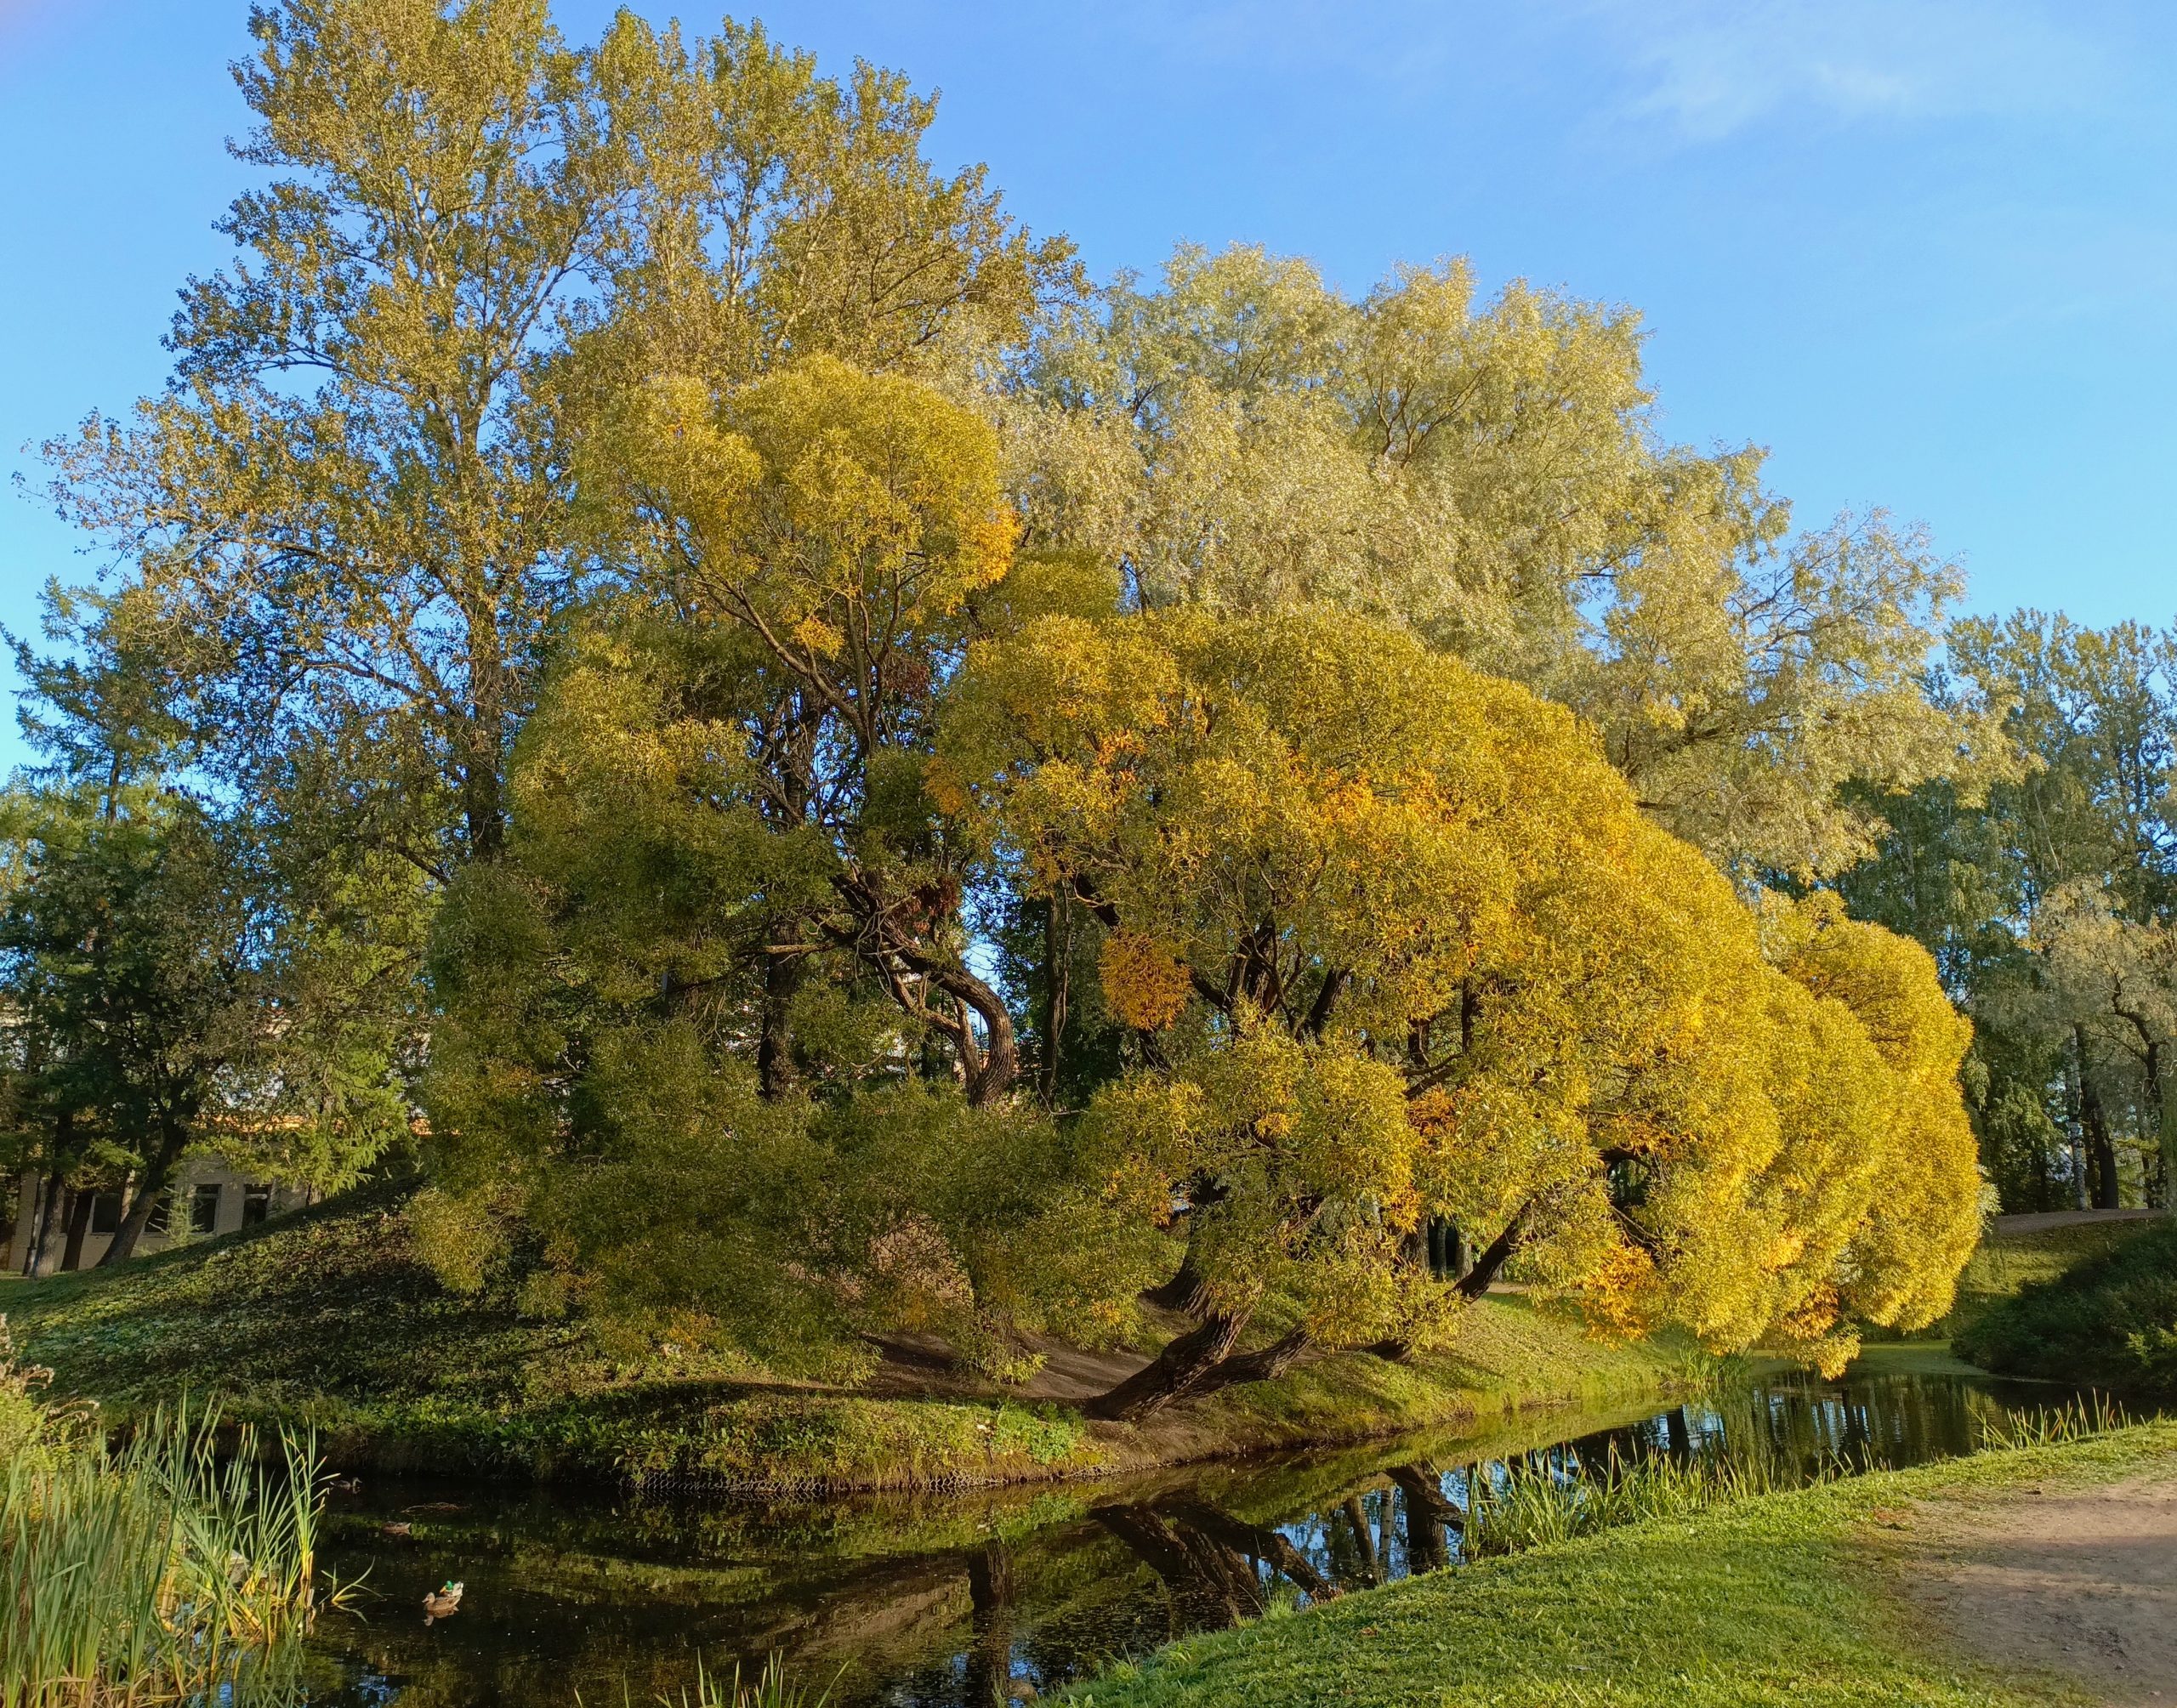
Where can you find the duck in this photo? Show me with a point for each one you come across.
(442, 1603)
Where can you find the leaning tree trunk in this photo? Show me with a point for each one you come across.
(1473, 1282)
(158, 1175)
(1174, 1373)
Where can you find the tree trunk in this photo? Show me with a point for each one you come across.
(2074, 1079)
(775, 1075)
(1174, 1373)
(1058, 993)
(1501, 1251)
(80, 1205)
(2106, 1195)
(1183, 1292)
(158, 1174)
(42, 1235)
(1260, 1365)
(2157, 1112)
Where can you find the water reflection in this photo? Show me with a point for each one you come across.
(982, 1598)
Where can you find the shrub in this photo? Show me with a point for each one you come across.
(2110, 1322)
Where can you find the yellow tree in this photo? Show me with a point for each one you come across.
(834, 529)
(1488, 473)
(1395, 942)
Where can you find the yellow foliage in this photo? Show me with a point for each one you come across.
(1413, 878)
(1146, 987)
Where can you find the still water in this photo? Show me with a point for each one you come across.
(941, 1601)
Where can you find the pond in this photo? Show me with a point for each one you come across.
(940, 1602)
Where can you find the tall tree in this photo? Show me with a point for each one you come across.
(1490, 475)
(357, 491)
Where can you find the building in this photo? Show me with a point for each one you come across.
(207, 1197)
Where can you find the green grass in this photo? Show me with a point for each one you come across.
(2109, 1319)
(2003, 1263)
(1782, 1599)
(329, 1320)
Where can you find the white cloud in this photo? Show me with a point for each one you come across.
(1708, 68)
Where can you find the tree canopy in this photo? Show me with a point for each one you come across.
(853, 785)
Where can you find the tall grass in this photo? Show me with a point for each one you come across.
(1529, 1502)
(161, 1570)
(772, 1689)
(1524, 1503)
(2096, 1413)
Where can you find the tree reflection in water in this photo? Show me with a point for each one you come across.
(964, 1601)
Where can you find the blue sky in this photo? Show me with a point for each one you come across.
(1925, 250)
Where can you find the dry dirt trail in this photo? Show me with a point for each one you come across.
(2080, 1582)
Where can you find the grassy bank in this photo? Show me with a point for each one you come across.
(2109, 1319)
(2006, 1261)
(1781, 1599)
(328, 1320)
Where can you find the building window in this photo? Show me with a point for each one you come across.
(161, 1213)
(204, 1209)
(256, 1201)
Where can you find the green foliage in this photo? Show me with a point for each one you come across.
(2049, 903)
(2110, 1320)
(1243, 437)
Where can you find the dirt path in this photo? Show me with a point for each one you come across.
(2041, 1220)
(2078, 1582)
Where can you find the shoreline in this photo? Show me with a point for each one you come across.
(325, 1322)
(1832, 1594)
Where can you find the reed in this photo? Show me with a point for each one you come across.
(2092, 1414)
(161, 1570)
(771, 1688)
(1527, 1503)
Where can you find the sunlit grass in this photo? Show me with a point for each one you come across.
(1778, 1600)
